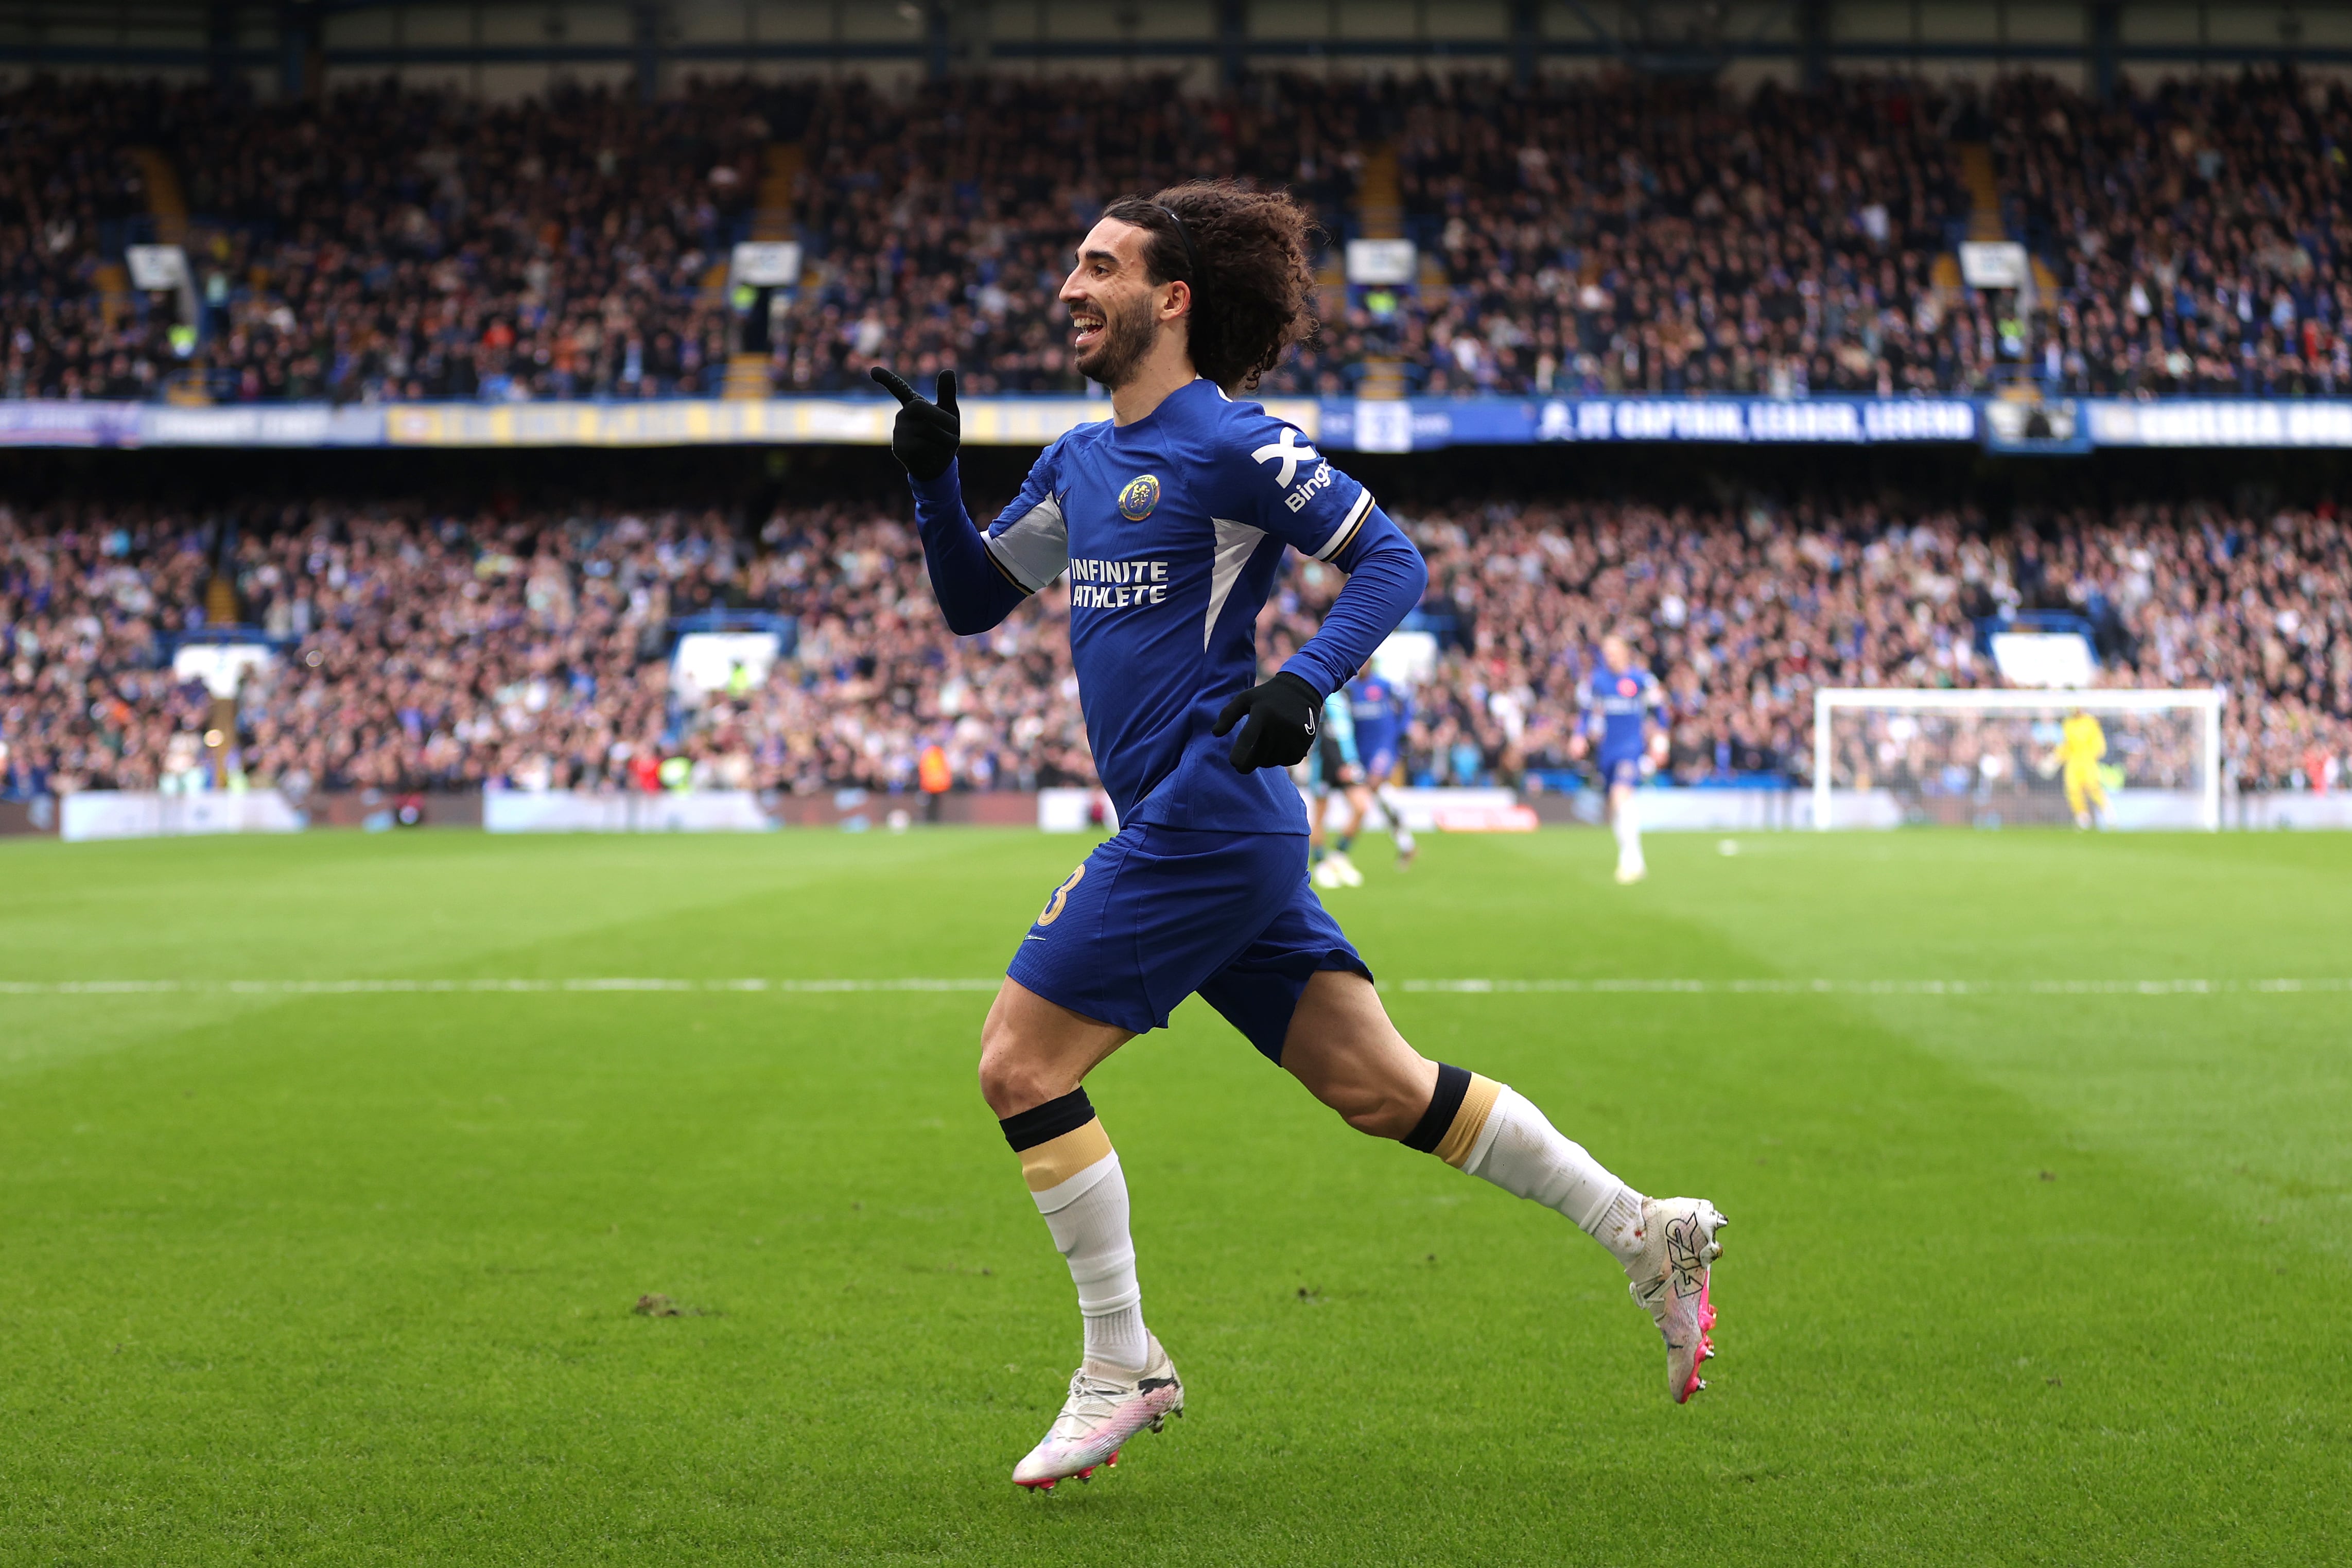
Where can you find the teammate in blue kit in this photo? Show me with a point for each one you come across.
(1382, 712)
(1621, 701)
(1168, 520)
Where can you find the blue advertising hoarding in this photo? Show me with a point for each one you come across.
(1341, 425)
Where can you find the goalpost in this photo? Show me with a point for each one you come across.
(1885, 757)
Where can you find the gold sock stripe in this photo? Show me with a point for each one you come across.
(1057, 1159)
(1478, 1102)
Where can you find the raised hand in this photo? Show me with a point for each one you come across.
(927, 435)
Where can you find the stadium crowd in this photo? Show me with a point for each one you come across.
(2201, 233)
(1585, 233)
(423, 651)
(1742, 615)
(65, 178)
(429, 652)
(385, 243)
(941, 223)
(1673, 238)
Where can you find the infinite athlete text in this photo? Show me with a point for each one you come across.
(1117, 584)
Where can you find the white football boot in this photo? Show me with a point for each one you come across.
(1326, 874)
(1107, 1405)
(1670, 1279)
(1346, 869)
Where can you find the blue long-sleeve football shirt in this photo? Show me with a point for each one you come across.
(1618, 704)
(1382, 710)
(1171, 528)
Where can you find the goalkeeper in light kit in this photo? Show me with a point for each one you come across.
(2082, 747)
(1169, 520)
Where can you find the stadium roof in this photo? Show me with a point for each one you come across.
(295, 43)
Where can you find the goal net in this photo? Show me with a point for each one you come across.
(1997, 758)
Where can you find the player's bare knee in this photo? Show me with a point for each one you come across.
(1009, 1080)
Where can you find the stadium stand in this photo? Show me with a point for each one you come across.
(425, 649)
(2201, 228)
(1590, 234)
(385, 245)
(1580, 234)
(65, 179)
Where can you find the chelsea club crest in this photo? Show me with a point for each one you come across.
(1141, 494)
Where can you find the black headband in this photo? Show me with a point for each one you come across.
(1192, 256)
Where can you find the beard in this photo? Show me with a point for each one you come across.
(1125, 339)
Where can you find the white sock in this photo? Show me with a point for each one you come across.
(1522, 1154)
(1088, 1216)
(1118, 1338)
(1628, 828)
(1397, 829)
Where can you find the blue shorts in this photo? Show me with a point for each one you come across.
(1157, 913)
(1380, 767)
(1620, 770)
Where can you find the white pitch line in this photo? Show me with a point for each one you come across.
(1585, 987)
(444, 987)
(1877, 987)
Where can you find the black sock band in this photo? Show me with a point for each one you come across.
(1043, 1123)
(1453, 1083)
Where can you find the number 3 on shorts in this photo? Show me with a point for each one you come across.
(1061, 895)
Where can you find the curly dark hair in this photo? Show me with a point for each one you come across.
(1255, 294)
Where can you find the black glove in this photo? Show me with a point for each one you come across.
(1280, 728)
(927, 435)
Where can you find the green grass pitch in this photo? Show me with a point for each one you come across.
(2014, 1276)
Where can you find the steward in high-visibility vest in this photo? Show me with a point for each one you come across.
(932, 770)
(934, 778)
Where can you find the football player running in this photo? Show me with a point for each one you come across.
(1382, 710)
(1170, 520)
(1620, 702)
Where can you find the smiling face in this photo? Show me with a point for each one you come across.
(1116, 310)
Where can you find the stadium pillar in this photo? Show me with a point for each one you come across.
(2106, 43)
(1527, 33)
(646, 34)
(939, 39)
(1233, 37)
(1813, 43)
(220, 46)
(300, 65)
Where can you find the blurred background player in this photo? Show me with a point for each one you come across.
(1619, 702)
(2082, 747)
(1380, 711)
(1335, 763)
